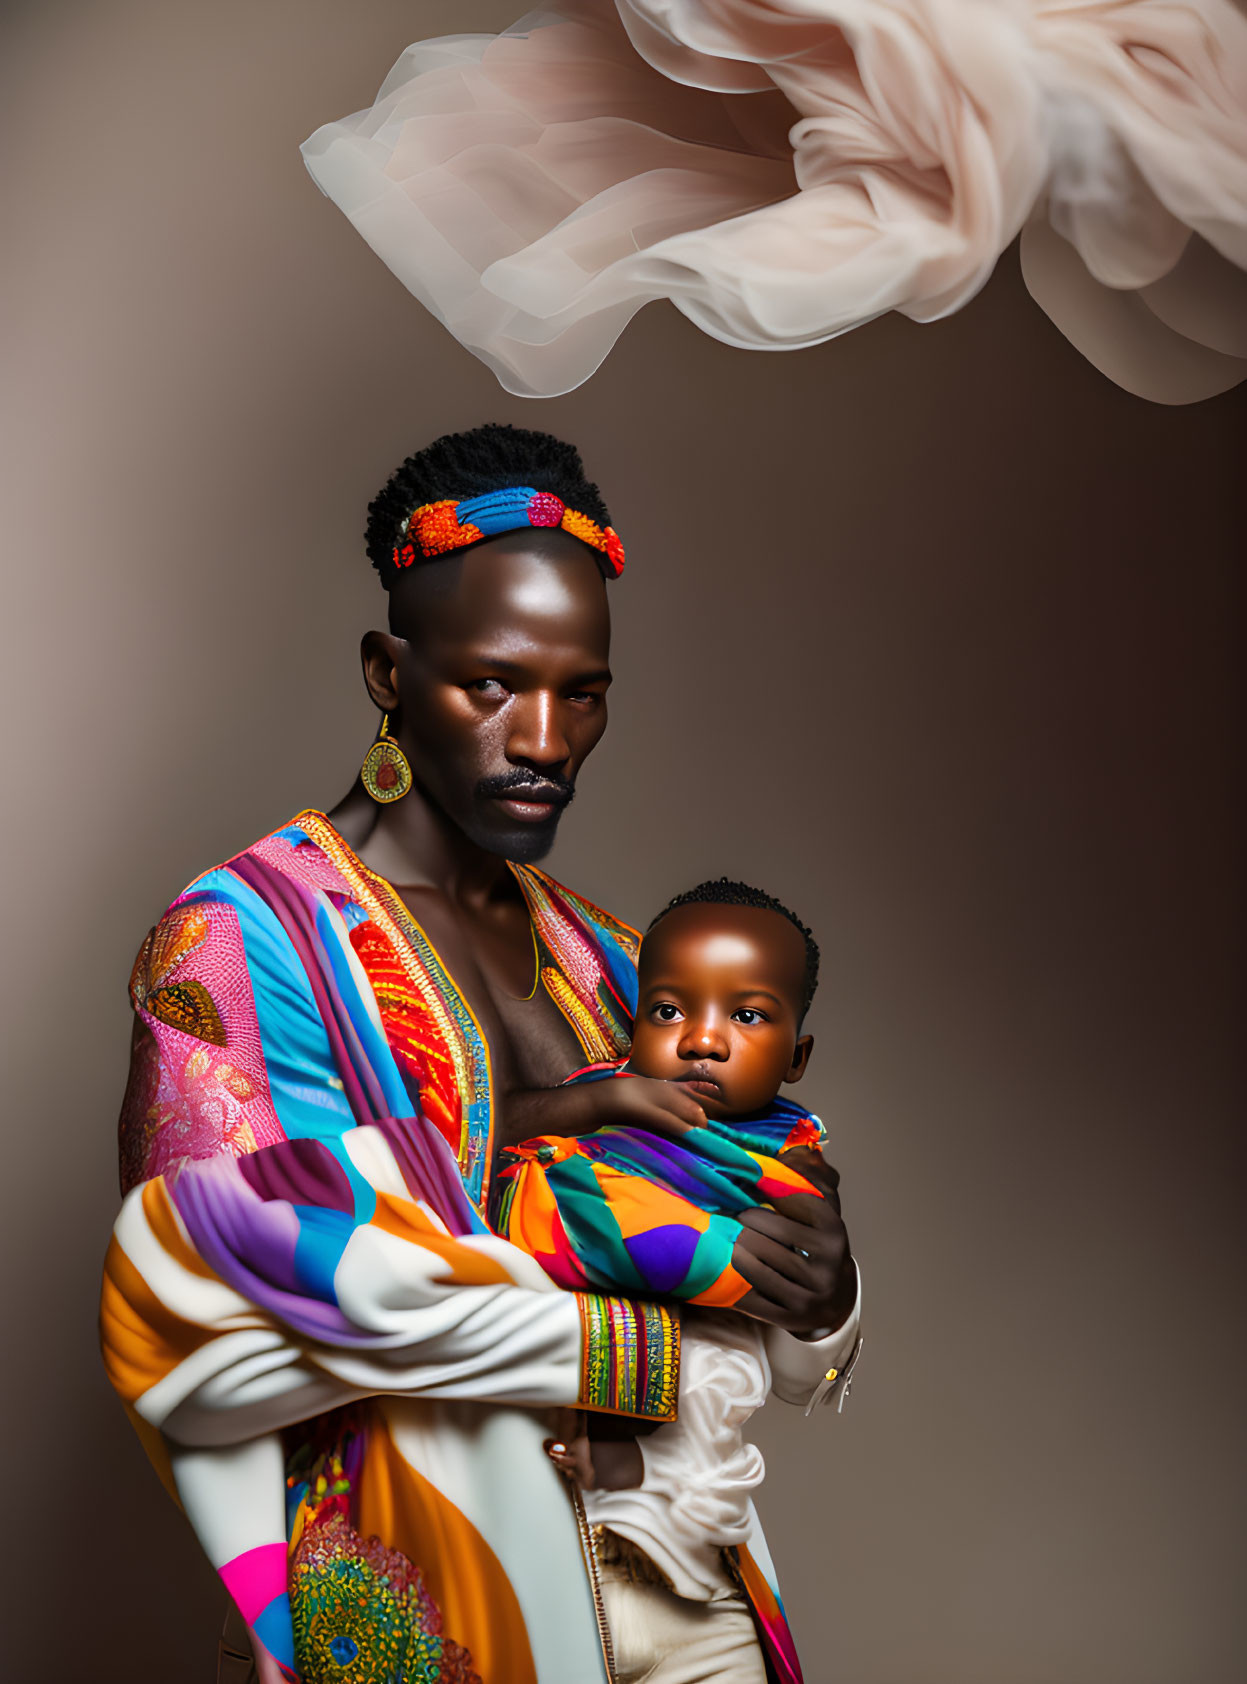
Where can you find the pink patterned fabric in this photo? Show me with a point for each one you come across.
(303, 862)
(198, 1082)
(784, 170)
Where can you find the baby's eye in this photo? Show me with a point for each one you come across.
(665, 1012)
(748, 1015)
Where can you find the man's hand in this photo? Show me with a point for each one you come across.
(639, 1102)
(613, 1463)
(798, 1264)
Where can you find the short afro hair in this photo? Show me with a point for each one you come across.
(726, 891)
(462, 465)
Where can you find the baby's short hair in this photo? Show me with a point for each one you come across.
(726, 891)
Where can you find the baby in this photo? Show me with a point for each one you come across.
(726, 976)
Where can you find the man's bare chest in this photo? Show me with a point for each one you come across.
(531, 1044)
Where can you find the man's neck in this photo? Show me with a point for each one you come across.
(413, 846)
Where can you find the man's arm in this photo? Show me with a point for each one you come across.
(210, 1335)
(248, 1291)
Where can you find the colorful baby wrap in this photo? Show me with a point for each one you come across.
(631, 1211)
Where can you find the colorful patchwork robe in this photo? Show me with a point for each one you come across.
(302, 1246)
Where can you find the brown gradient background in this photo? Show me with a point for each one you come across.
(932, 631)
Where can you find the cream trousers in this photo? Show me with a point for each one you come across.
(661, 1638)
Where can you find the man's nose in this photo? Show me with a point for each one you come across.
(537, 737)
(703, 1038)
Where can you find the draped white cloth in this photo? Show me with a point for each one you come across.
(701, 1473)
(784, 170)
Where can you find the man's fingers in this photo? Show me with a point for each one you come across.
(819, 1239)
(832, 1172)
(762, 1303)
(810, 1210)
(780, 1259)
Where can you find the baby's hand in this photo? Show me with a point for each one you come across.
(645, 1102)
(641, 1102)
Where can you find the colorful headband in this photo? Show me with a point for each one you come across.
(437, 528)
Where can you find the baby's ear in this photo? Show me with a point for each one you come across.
(800, 1058)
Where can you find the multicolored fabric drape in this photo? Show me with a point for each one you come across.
(306, 1144)
(628, 1211)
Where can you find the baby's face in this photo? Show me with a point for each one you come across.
(720, 1006)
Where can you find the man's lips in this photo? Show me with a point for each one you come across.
(534, 805)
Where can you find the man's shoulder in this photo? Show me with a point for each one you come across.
(230, 919)
(296, 849)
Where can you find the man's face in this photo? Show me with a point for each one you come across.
(502, 683)
(720, 1005)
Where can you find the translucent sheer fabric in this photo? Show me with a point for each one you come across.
(784, 170)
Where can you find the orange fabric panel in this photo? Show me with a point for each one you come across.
(479, 1607)
(726, 1292)
(637, 1204)
(534, 1213)
(466, 1265)
(142, 1340)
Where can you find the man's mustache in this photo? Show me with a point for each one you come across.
(527, 786)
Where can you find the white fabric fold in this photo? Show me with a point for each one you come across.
(700, 1474)
(798, 1366)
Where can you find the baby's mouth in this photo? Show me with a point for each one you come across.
(700, 1080)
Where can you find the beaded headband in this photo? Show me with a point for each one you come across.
(438, 528)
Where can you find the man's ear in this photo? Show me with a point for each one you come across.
(800, 1058)
(379, 655)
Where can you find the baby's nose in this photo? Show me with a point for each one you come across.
(704, 1040)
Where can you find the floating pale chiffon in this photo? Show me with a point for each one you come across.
(784, 170)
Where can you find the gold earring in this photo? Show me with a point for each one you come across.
(386, 770)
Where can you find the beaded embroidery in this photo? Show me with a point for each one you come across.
(436, 529)
(185, 1004)
(581, 990)
(571, 963)
(631, 1357)
(459, 1031)
(361, 1611)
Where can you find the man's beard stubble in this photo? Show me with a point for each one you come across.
(525, 843)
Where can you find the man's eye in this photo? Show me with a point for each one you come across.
(492, 687)
(666, 1013)
(748, 1016)
(588, 698)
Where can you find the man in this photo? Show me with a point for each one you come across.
(327, 1032)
